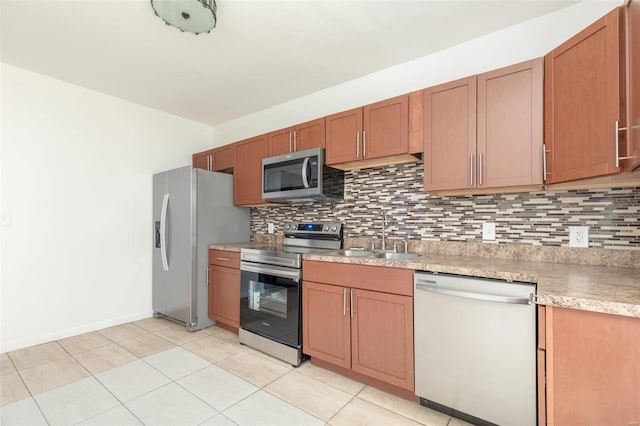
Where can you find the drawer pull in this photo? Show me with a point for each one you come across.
(226, 259)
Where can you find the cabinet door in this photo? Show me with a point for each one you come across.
(633, 85)
(450, 135)
(202, 160)
(343, 131)
(309, 135)
(326, 331)
(382, 337)
(224, 295)
(281, 142)
(509, 145)
(593, 368)
(247, 176)
(386, 128)
(224, 158)
(582, 102)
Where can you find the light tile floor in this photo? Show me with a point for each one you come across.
(154, 372)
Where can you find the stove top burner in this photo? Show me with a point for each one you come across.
(300, 238)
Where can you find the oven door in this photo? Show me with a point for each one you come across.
(270, 301)
(293, 175)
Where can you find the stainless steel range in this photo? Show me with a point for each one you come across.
(271, 288)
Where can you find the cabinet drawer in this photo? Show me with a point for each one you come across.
(375, 278)
(230, 259)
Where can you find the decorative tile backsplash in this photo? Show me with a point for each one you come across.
(537, 218)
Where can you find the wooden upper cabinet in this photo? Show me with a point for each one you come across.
(280, 142)
(298, 138)
(216, 160)
(309, 135)
(416, 122)
(202, 160)
(485, 132)
(632, 15)
(583, 103)
(361, 136)
(386, 128)
(510, 128)
(343, 131)
(450, 135)
(593, 368)
(247, 176)
(224, 158)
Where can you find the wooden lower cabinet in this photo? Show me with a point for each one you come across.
(382, 337)
(224, 287)
(593, 368)
(326, 332)
(368, 332)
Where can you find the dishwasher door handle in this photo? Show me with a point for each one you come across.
(478, 296)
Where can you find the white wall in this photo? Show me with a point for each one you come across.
(515, 44)
(77, 168)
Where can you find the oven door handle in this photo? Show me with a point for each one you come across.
(271, 270)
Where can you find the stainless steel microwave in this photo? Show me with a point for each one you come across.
(300, 177)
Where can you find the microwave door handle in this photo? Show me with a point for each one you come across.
(305, 166)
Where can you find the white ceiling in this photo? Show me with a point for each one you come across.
(262, 53)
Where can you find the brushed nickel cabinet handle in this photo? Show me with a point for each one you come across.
(544, 162)
(295, 141)
(224, 259)
(290, 142)
(364, 144)
(344, 302)
(618, 130)
(352, 309)
(480, 169)
(357, 144)
(471, 170)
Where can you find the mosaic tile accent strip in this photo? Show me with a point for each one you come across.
(536, 218)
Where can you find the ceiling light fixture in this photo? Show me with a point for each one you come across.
(194, 16)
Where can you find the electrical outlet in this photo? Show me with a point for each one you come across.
(489, 231)
(270, 228)
(579, 236)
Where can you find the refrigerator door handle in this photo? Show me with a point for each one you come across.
(163, 232)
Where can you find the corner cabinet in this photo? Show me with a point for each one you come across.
(583, 103)
(592, 368)
(297, 138)
(485, 132)
(363, 137)
(360, 318)
(247, 175)
(224, 287)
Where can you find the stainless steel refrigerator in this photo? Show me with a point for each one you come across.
(192, 208)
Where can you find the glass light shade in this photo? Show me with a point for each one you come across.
(195, 16)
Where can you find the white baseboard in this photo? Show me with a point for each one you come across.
(69, 332)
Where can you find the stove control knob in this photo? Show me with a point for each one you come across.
(334, 228)
(286, 227)
(326, 228)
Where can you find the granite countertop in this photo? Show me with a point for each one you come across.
(602, 289)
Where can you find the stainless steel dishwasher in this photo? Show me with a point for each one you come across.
(475, 348)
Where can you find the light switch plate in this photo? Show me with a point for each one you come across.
(489, 231)
(579, 236)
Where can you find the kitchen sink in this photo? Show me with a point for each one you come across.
(390, 255)
(397, 256)
(352, 253)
